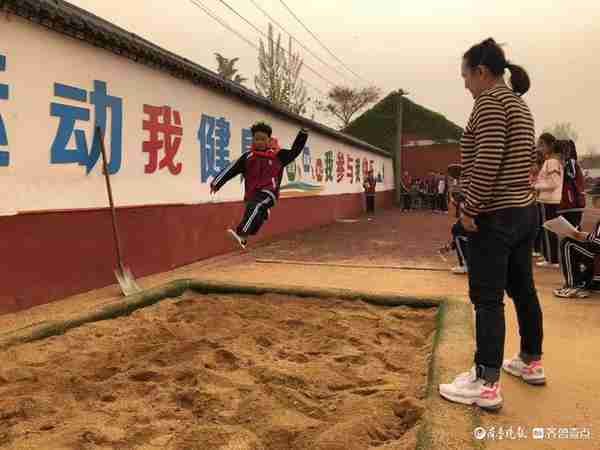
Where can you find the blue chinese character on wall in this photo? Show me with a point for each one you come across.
(214, 136)
(84, 154)
(4, 155)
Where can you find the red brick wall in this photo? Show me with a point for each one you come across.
(57, 254)
(419, 161)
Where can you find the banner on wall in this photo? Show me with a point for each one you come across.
(166, 139)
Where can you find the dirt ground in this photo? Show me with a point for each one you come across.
(572, 332)
(210, 372)
(383, 240)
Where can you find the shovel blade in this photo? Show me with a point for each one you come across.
(127, 281)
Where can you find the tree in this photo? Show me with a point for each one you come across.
(227, 70)
(278, 76)
(563, 131)
(271, 69)
(344, 102)
(295, 95)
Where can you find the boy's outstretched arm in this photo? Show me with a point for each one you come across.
(287, 156)
(228, 173)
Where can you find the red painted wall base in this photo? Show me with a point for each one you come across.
(48, 256)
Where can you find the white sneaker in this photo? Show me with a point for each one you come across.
(460, 270)
(240, 240)
(536, 254)
(470, 390)
(532, 373)
(546, 264)
(571, 292)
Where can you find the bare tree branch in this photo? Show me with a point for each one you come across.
(345, 102)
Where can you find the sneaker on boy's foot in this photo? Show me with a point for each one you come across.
(468, 389)
(532, 373)
(571, 292)
(240, 240)
(460, 270)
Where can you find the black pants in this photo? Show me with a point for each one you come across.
(257, 211)
(549, 239)
(407, 201)
(432, 198)
(371, 202)
(442, 202)
(500, 260)
(573, 217)
(461, 244)
(577, 261)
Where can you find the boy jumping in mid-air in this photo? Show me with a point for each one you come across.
(262, 169)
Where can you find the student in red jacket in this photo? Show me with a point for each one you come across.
(572, 202)
(262, 169)
(369, 187)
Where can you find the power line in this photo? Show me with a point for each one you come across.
(262, 10)
(223, 23)
(319, 41)
(258, 30)
(213, 16)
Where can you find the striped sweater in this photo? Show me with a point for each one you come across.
(497, 151)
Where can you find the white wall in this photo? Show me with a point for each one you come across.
(37, 58)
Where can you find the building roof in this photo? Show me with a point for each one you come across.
(78, 23)
(420, 126)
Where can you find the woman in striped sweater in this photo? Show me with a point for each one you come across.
(499, 214)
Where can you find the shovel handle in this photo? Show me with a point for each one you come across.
(100, 137)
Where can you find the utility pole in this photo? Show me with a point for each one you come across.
(398, 147)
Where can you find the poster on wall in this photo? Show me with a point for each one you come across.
(166, 138)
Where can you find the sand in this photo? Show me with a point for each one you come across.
(224, 372)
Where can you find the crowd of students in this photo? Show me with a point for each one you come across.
(558, 183)
(430, 191)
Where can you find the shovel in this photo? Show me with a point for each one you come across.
(124, 276)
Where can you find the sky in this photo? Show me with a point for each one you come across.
(416, 46)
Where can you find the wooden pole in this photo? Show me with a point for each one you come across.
(398, 148)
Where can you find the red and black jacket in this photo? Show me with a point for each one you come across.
(369, 185)
(573, 196)
(262, 170)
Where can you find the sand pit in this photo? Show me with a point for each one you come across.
(224, 372)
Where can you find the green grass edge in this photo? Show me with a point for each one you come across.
(425, 433)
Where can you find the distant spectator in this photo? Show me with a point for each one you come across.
(533, 176)
(432, 190)
(442, 191)
(407, 183)
(572, 203)
(549, 187)
(369, 185)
